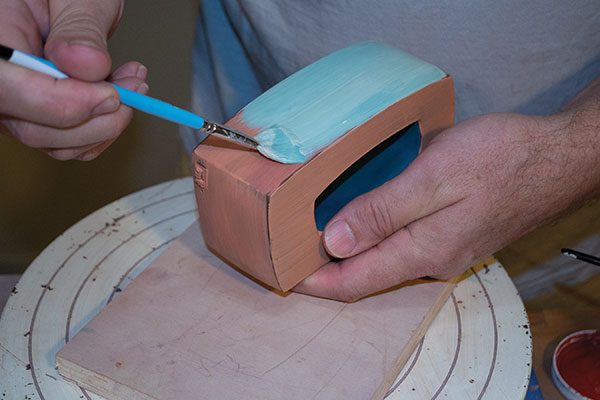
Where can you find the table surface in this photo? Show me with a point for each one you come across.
(479, 346)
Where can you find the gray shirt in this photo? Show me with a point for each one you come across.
(512, 55)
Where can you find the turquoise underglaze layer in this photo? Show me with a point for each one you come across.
(312, 108)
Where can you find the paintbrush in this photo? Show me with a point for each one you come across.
(143, 103)
(578, 255)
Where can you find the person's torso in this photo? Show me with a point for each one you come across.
(504, 56)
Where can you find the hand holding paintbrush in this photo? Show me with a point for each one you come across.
(274, 143)
(79, 118)
(73, 118)
(136, 100)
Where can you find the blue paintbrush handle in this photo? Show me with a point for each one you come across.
(130, 98)
(159, 108)
(138, 101)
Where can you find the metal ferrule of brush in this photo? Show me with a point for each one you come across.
(228, 133)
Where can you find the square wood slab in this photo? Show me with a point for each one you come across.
(192, 327)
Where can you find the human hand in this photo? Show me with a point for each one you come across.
(475, 188)
(69, 118)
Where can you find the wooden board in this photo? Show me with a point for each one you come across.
(477, 346)
(190, 326)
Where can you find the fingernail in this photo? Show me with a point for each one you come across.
(339, 239)
(143, 88)
(142, 72)
(108, 105)
(87, 156)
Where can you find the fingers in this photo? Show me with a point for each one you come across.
(77, 40)
(374, 216)
(66, 118)
(82, 153)
(430, 246)
(394, 233)
(29, 95)
(23, 23)
(75, 32)
(474, 189)
(363, 274)
(392, 261)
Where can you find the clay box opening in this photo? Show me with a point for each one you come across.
(376, 167)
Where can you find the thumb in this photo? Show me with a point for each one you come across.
(77, 41)
(376, 215)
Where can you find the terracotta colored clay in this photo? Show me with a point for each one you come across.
(259, 214)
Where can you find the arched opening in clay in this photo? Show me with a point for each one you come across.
(376, 167)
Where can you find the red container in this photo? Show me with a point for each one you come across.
(576, 365)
